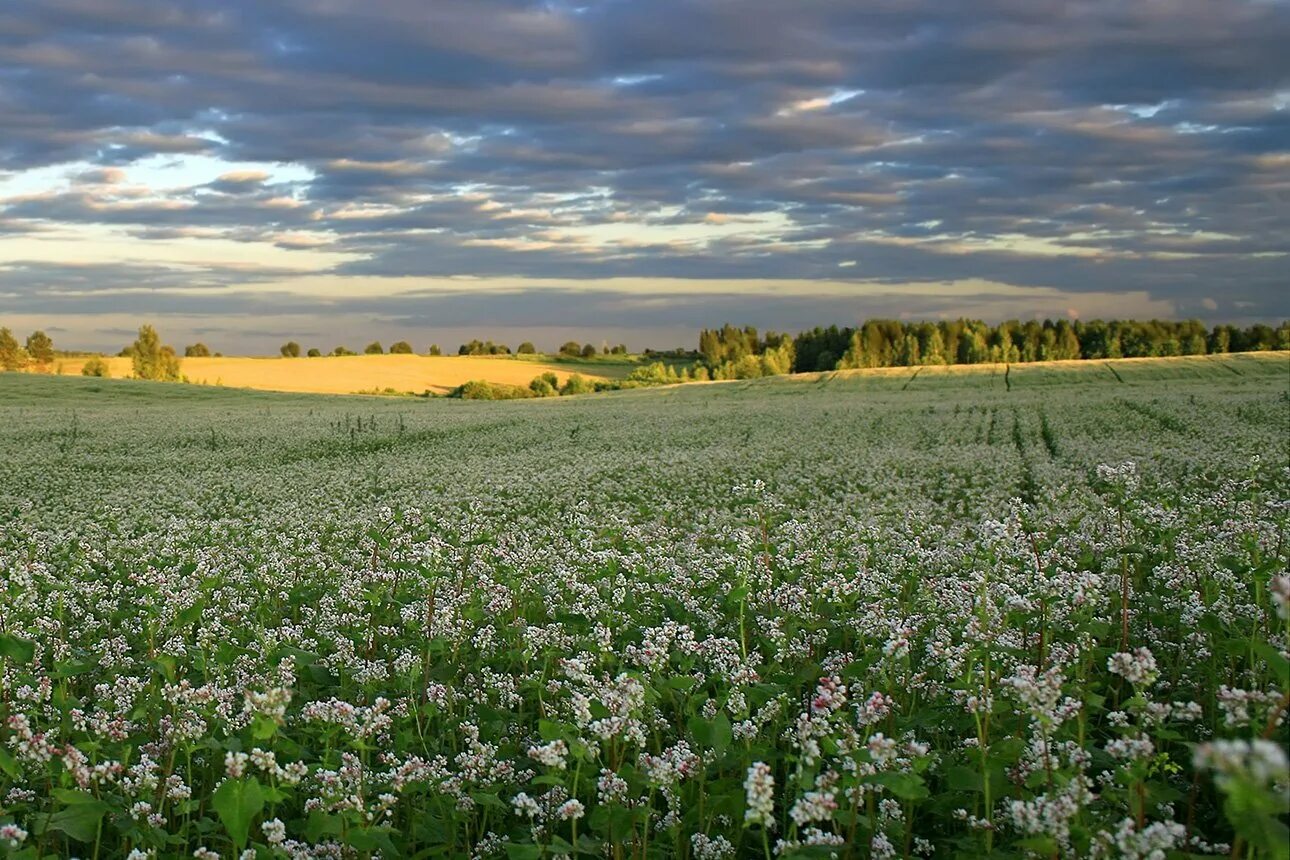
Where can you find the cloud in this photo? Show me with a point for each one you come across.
(1086, 147)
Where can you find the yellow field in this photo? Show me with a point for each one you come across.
(352, 374)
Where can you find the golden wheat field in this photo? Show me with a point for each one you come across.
(353, 374)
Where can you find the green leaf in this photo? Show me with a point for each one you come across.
(238, 802)
(714, 733)
(80, 816)
(19, 650)
(906, 786)
(8, 764)
(1280, 666)
(523, 852)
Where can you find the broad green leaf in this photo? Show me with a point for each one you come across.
(16, 649)
(238, 802)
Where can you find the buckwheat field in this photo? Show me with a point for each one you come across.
(1032, 613)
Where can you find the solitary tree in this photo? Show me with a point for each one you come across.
(314, 352)
(401, 348)
(197, 350)
(435, 350)
(290, 349)
(526, 348)
(374, 348)
(570, 348)
(589, 350)
(151, 358)
(12, 356)
(40, 347)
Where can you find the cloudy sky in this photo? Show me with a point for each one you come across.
(244, 171)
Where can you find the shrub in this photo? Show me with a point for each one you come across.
(577, 384)
(401, 347)
(96, 366)
(374, 348)
(542, 386)
(480, 389)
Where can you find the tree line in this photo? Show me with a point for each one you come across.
(731, 352)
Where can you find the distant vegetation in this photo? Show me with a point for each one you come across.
(731, 352)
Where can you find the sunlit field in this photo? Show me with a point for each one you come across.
(1025, 611)
(353, 374)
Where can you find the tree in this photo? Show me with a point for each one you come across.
(290, 349)
(196, 350)
(374, 348)
(96, 366)
(401, 347)
(341, 350)
(12, 356)
(526, 348)
(571, 348)
(40, 347)
(589, 351)
(152, 359)
(314, 352)
(435, 350)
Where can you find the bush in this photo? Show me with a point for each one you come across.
(96, 366)
(196, 350)
(401, 348)
(577, 384)
(542, 386)
(290, 349)
(374, 348)
(479, 389)
(314, 352)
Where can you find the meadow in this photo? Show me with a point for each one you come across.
(1005, 611)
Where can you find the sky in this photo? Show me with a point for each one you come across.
(242, 172)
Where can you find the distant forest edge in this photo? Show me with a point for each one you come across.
(731, 352)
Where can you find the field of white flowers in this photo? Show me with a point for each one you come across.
(1040, 613)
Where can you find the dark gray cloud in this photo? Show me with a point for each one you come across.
(1089, 147)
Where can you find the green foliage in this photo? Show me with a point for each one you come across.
(479, 389)
(435, 350)
(314, 352)
(526, 348)
(95, 366)
(237, 803)
(401, 347)
(196, 350)
(478, 347)
(577, 384)
(12, 356)
(151, 359)
(374, 348)
(290, 349)
(40, 347)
